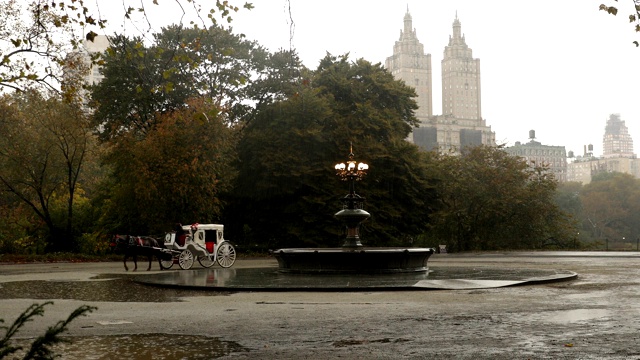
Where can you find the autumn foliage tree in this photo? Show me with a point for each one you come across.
(176, 173)
(37, 35)
(45, 144)
(634, 16)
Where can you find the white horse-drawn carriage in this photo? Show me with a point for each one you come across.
(204, 242)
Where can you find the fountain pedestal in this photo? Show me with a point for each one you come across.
(352, 215)
(364, 260)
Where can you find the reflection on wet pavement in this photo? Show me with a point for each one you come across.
(118, 289)
(145, 346)
(270, 279)
(575, 315)
(171, 286)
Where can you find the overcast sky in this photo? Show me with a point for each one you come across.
(556, 67)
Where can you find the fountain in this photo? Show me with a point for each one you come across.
(353, 257)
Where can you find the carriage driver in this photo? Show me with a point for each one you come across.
(181, 235)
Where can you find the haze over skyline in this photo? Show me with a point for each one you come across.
(557, 67)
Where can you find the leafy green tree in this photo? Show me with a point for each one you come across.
(491, 200)
(568, 198)
(139, 85)
(275, 77)
(44, 145)
(287, 190)
(218, 64)
(611, 202)
(283, 168)
(362, 94)
(142, 82)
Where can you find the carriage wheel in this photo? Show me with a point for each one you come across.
(185, 260)
(166, 264)
(226, 255)
(206, 261)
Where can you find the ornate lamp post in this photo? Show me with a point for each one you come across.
(352, 213)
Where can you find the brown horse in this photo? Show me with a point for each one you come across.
(132, 246)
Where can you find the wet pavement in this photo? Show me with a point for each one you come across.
(595, 316)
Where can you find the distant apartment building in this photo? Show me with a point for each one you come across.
(79, 62)
(536, 154)
(99, 45)
(81, 69)
(461, 123)
(583, 168)
(617, 154)
(617, 142)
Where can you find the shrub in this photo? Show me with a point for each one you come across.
(41, 346)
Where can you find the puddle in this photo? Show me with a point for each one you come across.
(116, 290)
(576, 315)
(590, 296)
(115, 322)
(144, 346)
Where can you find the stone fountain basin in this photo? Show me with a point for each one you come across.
(353, 260)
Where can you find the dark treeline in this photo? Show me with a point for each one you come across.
(207, 126)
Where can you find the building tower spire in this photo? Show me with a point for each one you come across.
(458, 38)
(461, 123)
(460, 78)
(410, 64)
(408, 25)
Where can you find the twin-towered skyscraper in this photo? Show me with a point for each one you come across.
(461, 123)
